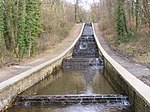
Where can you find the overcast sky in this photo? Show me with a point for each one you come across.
(84, 3)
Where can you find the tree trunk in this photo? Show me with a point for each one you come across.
(137, 15)
(146, 11)
(8, 33)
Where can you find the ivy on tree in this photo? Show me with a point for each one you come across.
(121, 20)
(19, 25)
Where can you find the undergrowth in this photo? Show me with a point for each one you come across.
(134, 45)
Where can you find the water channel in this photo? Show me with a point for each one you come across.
(87, 81)
(75, 80)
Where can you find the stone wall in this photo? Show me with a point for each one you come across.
(122, 87)
(8, 94)
(125, 82)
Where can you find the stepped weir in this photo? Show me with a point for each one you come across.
(71, 99)
(84, 62)
(85, 52)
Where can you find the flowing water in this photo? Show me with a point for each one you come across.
(84, 81)
(82, 74)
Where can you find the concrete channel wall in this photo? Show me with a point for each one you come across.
(126, 83)
(10, 88)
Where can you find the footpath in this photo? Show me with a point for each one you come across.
(12, 71)
(136, 69)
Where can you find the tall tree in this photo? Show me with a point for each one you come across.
(76, 9)
(137, 14)
(146, 10)
(8, 26)
(1, 19)
(32, 27)
(21, 29)
(121, 20)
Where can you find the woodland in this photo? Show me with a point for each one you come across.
(29, 27)
(126, 26)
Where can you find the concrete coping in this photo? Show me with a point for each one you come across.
(141, 88)
(20, 76)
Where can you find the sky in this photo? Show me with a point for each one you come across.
(84, 3)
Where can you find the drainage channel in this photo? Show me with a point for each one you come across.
(78, 87)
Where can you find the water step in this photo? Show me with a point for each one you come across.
(82, 62)
(86, 50)
(70, 99)
(87, 29)
(87, 39)
(85, 47)
(84, 56)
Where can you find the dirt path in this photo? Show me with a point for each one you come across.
(8, 72)
(140, 71)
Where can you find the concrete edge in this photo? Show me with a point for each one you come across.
(20, 76)
(141, 88)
